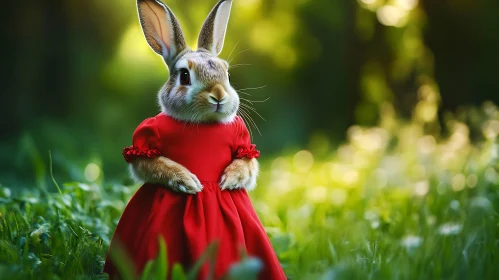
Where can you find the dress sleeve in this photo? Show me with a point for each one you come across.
(244, 148)
(145, 141)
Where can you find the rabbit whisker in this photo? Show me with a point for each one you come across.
(240, 113)
(237, 55)
(244, 116)
(254, 88)
(238, 65)
(245, 93)
(254, 110)
(247, 100)
(233, 49)
(254, 124)
(250, 119)
(256, 101)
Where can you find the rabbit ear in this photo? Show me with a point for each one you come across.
(161, 29)
(212, 33)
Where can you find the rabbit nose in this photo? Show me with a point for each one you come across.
(217, 95)
(213, 99)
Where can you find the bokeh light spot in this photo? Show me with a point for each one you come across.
(390, 15)
(427, 144)
(92, 172)
(351, 177)
(458, 182)
(338, 196)
(421, 188)
(472, 180)
(303, 161)
(317, 194)
(491, 129)
(407, 4)
(426, 111)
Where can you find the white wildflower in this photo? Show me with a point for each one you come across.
(450, 229)
(370, 215)
(411, 241)
(421, 188)
(481, 202)
(455, 205)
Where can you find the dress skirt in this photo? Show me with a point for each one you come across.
(189, 223)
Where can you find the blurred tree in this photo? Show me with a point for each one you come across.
(327, 79)
(464, 39)
(78, 76)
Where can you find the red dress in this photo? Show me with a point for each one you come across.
(189, 223)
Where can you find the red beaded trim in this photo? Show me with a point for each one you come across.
(130, 153)
(248, 152)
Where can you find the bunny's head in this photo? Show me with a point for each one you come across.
(198, 89)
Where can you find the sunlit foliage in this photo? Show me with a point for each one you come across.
(411, 193)
(392, 202)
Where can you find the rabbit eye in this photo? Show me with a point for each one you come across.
(185, 78)
(228, 75)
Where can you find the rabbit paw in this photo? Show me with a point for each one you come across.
(184, 181)
(241, 173)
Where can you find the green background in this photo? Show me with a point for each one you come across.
(380, 151)
(78, 76)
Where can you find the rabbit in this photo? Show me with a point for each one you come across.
(197, 91)
(195, 158)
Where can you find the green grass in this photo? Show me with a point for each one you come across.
(393, 202)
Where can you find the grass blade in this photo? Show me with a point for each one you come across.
(209, 254)
(178, 272)
(162, 262)
(122, 261)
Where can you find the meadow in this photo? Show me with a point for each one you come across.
(410, 191)
(392, 202)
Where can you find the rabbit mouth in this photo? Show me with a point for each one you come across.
(218, 111)
(218, 108)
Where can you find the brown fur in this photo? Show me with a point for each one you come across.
(218, 91)
(191, 103)
(159, 23)
(164, 171)
(151, 15)
(205, 40)
(182, 90)
(178, 35)
(208, 72)
(241, 173)
(169, 85)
